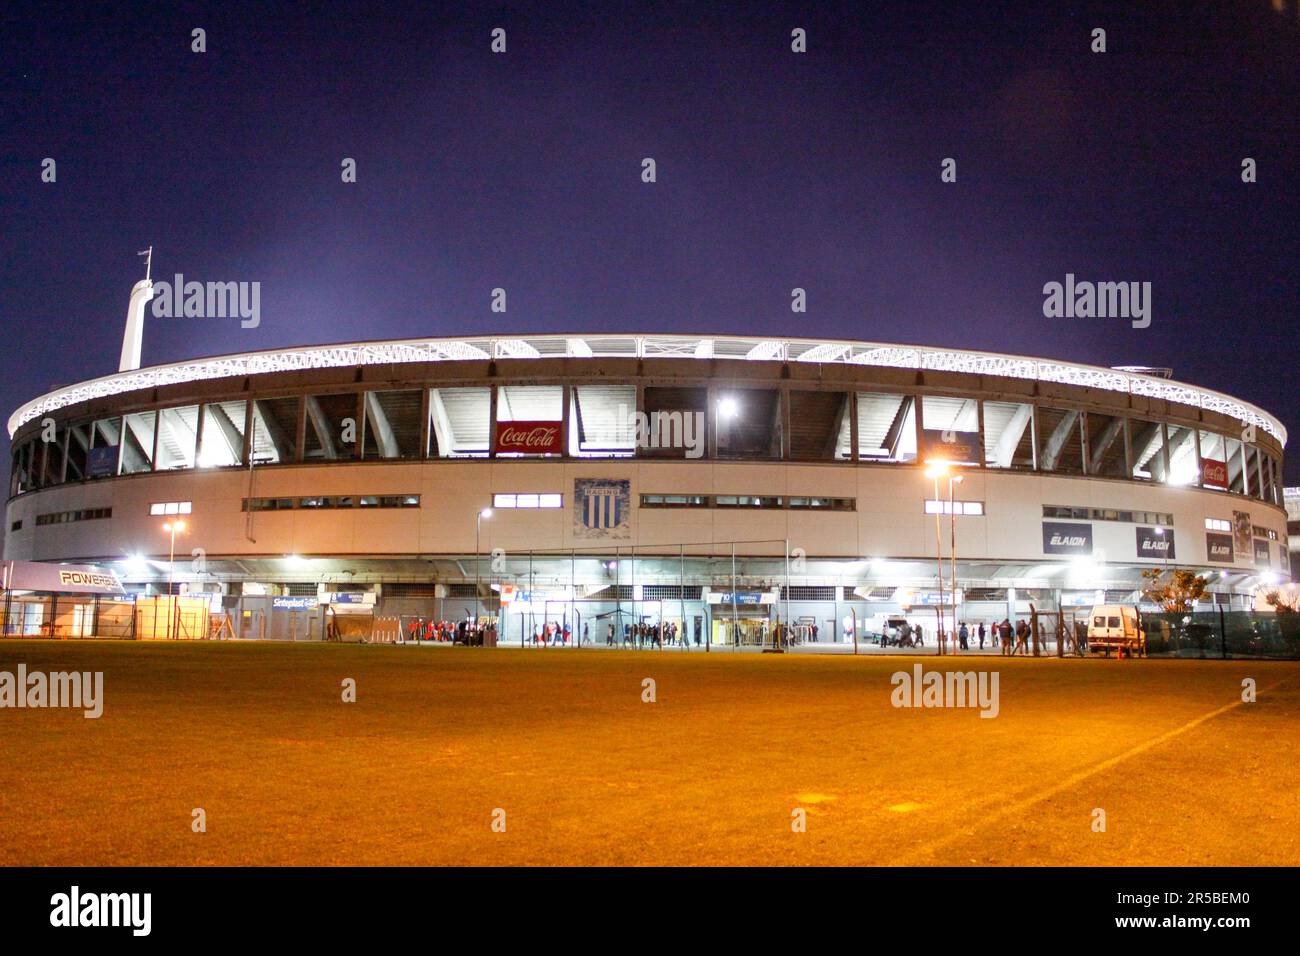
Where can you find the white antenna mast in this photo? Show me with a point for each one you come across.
(133, 336)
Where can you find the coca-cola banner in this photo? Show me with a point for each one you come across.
(530, 438)
(1214, 474)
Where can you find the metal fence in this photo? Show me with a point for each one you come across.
(1223, 634)
(67, 616)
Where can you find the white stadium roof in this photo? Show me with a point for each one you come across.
(648, 346)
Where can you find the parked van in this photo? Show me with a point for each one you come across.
(1115, 626)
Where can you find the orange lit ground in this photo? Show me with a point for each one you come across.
(588, 774)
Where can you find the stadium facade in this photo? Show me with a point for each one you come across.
(720, 483)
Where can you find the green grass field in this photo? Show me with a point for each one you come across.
(257, 735)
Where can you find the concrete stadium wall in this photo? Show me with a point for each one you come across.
(889, 521)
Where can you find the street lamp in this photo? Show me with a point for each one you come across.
(172, 527)
(936, 471)
(478, 524)
(1161, 532)
(952, 530)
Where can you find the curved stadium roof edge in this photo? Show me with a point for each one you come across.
(740, 348)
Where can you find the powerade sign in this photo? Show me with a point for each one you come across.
(1060, 537)
(1151, 543)
(1218, 548)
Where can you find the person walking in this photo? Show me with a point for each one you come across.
(980, 633)
(963, 636)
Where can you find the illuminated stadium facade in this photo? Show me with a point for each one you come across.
(719, 483)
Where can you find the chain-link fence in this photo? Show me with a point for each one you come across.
(1214, 634)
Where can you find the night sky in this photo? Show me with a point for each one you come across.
(775, 170)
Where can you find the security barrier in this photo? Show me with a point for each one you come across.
(387, 630)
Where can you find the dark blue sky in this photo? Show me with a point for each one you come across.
(775, 170)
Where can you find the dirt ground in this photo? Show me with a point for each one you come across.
(560, 745)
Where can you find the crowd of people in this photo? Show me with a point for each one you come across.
(553, 633)
(444, 632)
(556, 634)
(1008, 638)
(645, 634)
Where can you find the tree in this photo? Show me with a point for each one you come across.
(1176, 591)
(1283, 603)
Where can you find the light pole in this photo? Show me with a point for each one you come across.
(1161, 532)
(478, 526)
(173, 527)
(936, 471)
(952, 531)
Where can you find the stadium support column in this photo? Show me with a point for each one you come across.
(711, 421)
(787, 586)
(681, 594)
(853, 426)
(735, 624)
(566, 401)
(787, 450)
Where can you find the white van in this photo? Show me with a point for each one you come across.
(1115, 626)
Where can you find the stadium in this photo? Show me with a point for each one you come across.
(720, 485)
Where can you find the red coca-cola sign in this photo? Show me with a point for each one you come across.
(1214, 474)
(530, 438)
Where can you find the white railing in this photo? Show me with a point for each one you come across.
(595, 346)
